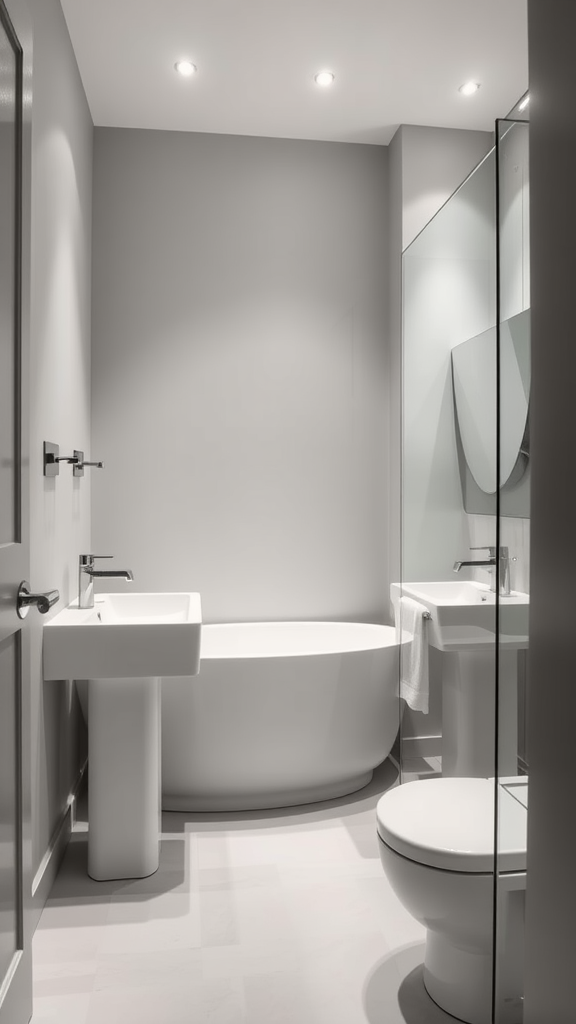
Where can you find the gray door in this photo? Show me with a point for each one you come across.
(15, 845)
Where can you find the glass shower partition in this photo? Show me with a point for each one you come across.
(449, 483)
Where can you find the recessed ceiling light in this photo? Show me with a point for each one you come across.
(324, 78)
(524, 103)
(185, 68)
(469, 88)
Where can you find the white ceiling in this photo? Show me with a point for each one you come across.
(396, 62)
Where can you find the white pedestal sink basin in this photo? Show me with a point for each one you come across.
(462, 624)
(123, 646)
(125, 635)
(463, 614)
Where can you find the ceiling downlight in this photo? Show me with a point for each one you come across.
(469, 88)
(324, 79)
(185, 68)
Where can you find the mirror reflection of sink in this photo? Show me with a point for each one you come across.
(462, 625)
(463, 614)
(125, 636)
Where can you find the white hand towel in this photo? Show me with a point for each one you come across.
(411, 627)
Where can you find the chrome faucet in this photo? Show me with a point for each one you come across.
(87, 574)
(492, 563)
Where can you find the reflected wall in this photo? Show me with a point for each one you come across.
(449, 296)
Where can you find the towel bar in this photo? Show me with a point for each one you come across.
(426, 615)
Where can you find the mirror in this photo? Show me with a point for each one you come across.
(474, 378)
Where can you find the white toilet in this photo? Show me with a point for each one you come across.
(436, 841)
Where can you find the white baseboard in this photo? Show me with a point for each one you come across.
(421, 746)
(50, 863)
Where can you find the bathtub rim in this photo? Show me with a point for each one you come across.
(386, 638)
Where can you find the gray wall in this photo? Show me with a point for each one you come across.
(551, 891)
(240, 371)
(59, 396)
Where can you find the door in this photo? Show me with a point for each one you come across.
(15, 838)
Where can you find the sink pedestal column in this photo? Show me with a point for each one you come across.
(468, 713)
(124, 777)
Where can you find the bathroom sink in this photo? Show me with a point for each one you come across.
(125, 636)
(463, 614)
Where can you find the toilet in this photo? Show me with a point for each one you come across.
(436, 841)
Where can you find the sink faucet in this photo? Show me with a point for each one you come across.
(87, 573)
(503, 563)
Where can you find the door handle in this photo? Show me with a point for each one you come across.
(43, 602)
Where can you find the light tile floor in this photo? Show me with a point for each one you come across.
(264, 917)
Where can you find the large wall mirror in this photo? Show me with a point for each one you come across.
(475, 384)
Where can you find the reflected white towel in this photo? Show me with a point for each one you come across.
(411, 625)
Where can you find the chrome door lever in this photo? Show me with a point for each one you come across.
(43, 602)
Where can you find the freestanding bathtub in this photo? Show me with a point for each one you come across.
(281, 713)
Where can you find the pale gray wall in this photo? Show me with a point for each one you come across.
(426, 166)
(59, 389)
(551, 889)
(240, 371)
(435, 161)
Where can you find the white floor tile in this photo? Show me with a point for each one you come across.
(218, 925)
(160, 969)
(61, 1009)
(64, 978)
(70, 930)
(146, 924)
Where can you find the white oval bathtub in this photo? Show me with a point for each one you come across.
(281, 713)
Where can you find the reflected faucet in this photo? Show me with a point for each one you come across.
(502, 563)
(87, 574)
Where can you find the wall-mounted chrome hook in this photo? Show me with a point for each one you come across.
(78, 469)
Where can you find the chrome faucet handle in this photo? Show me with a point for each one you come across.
(502, 551)
(90, 559)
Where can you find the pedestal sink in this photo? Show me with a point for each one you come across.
(461, 622)
(124, 645)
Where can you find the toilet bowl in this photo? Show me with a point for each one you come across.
(436, 842)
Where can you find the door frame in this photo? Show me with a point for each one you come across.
(16, 992)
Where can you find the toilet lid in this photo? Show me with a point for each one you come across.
(449, 824)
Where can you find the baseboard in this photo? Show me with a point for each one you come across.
(50, 863)
(421, 746)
